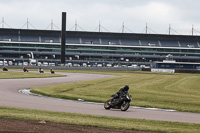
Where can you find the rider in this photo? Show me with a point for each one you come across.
(40, 70)
(51, 70)
(5, 68)
(119, 93)
(24, 68)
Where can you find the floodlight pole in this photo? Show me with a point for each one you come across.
(52, 24)
(63, 38)
(3, 22)
(76, 25)
(192, 30)
(27, 23)
(99, 26)
(123, 28)
(146, 28)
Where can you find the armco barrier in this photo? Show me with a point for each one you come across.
(186, 71)
(75, 68)
(163, 70)
(174, 70)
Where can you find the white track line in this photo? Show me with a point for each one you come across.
(27, 92)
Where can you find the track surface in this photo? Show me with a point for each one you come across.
(10, 97)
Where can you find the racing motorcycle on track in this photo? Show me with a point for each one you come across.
(52, 71)
(5, 69)
(122, 102)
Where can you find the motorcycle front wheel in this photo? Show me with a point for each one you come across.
(107, 105)
(125, 106)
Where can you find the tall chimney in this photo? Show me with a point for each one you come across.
(63, 38)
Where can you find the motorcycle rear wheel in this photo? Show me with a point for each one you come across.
(107, 105)
(125, 106)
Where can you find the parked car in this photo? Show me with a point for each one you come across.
(5, 63)
(51, 64)
(1, 63)
(109, 65)
(45, 64)
(99, 65)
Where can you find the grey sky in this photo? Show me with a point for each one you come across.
(158, 14)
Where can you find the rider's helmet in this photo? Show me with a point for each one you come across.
(126, 87)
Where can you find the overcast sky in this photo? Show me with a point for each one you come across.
(111, 14)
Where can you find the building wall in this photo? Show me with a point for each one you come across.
(132, 47)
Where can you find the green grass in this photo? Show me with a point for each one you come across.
(17, 75)
(173, 91)
(98, 121)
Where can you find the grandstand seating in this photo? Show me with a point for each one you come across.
(169, 43)
(149, 42)
(132, 42)
(29, 38)
(74, 40)
(107, 41)
(102, 40)
(188, 44)
(50, 39)
(90, 40)
(8, 38)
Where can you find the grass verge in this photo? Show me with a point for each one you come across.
(99, 121)
(17, 75)
(172, 91)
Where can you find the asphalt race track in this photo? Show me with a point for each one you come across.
(10, 97)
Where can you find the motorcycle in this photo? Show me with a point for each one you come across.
(25, 70)
(41, 70)
(125, 99)
(52, 71)
(5, 69)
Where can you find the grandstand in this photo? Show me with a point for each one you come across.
(97, 47)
